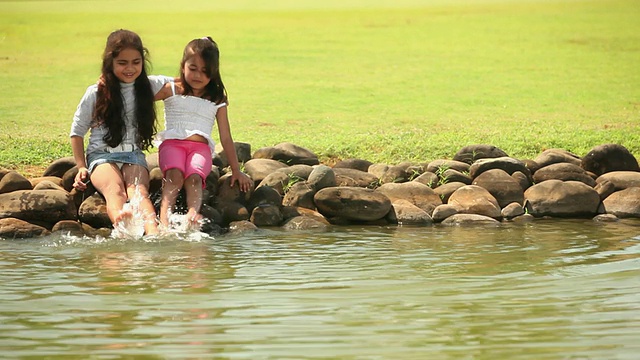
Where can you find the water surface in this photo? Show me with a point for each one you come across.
(551, 289)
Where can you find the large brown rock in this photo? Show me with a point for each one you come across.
(562, 199)
(352, 203)
(609, 157)
(416, 193)
(624, 203)
(49, 206)
(12, 228)
(472, 199)
(504, 188)
(12, 181)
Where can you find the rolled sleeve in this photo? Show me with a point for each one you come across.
(84, 113)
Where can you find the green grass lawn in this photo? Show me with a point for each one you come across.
(384, 80)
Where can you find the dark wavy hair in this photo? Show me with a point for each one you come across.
(208, 50)
(109, 109)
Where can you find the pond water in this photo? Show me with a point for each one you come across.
(550, 289)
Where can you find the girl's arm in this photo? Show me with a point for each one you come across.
(81, 179)
(226, 140)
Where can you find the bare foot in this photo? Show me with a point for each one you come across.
(124, 214)
(194, 219)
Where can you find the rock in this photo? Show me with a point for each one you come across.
(289, 212)
(472, 199)
(356, 164)
(352, 177)
(258, 169)
(469, 219)
(512, 210)
(299, 171)
(472, 153)
(607, 158)
(451, 175)
(12, 181)
(445, 191)
(621, 179)
(70, 227)
(352, 203)
(93, 211)
(243, 154)
(507, 164)
(624, 203)
(51, 179)
(12, 228)
(443, 211)
(287, 153)
(301, 223)
(388, 173)
(502, 186)
(266, 215)
(441, 165)
(321, 177)
(428, 178)
(553, 156)
(300, 195)
(264, 195)
(48, 185)
(49, 206)
(565, 172)
(238, 228)
(276, 180)
(415, 193)
(561, 199)
(404, 212)
(58, 167)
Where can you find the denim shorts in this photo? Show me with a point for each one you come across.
(99, 157)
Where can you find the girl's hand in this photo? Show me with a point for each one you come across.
(244, 181)
(82, 179)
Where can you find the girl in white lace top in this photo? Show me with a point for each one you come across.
(192, 107)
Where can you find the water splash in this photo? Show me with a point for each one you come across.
(131, 226)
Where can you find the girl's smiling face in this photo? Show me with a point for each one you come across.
(127, 66)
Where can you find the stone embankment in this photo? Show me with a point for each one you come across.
(481, 184)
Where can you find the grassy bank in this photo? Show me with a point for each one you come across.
(383, 80)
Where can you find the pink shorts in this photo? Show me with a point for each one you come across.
(190, 157)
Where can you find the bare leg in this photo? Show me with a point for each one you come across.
(108, 180)
(193, 189)
(170, 191)
(136, 174)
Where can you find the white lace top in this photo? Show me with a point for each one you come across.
(186, 115)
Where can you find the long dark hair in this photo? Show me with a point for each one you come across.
(109, 109)
(208, 50)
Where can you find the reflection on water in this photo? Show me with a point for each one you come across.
(556, 289)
